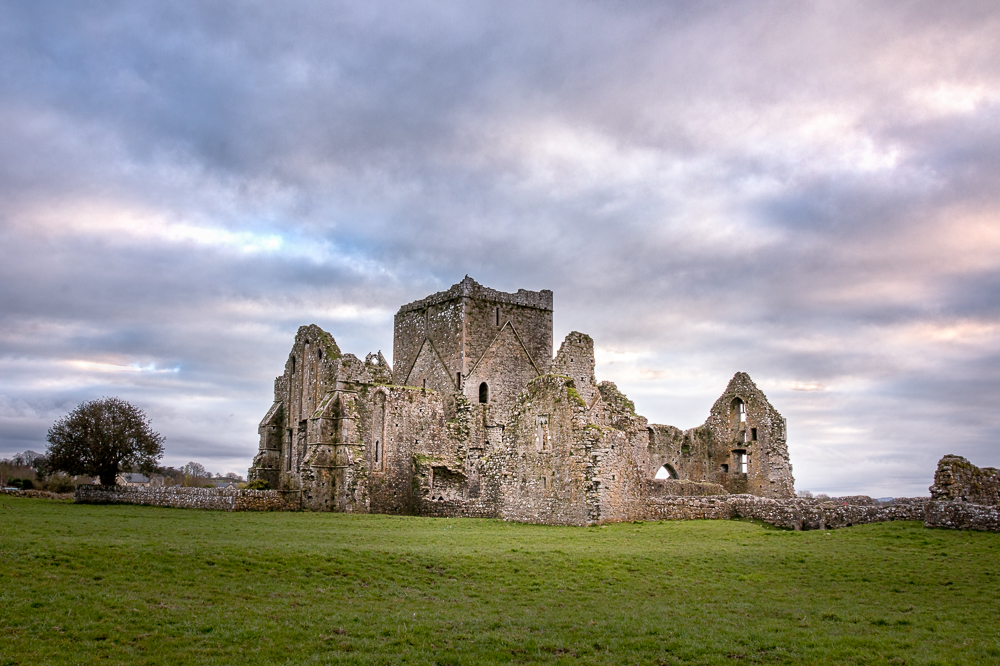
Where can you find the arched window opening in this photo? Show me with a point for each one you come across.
(319, 354)
(378, 451)
(484, 393)
(293, 365)
(666, 472)
(738, 412)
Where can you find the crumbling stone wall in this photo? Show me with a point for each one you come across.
(575, 359)
(965, 497)
(958, 480)
(311, 371)
(742, 446)
(221, 499)
(686, 454)
(546, 467)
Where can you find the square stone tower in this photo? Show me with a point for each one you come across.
(476, 341)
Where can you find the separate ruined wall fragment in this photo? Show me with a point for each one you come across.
(964, 496)
(958, 480)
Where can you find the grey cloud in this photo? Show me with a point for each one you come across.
(685, 177)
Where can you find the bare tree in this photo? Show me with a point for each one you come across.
(196, 470)
(102, 438)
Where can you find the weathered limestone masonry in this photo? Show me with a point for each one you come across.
(964, 496)
(797, 514)
(958, 480)
(476, 418)
(224, 499)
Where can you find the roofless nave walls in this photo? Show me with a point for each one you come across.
(477, 418)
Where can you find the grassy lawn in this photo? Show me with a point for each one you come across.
(129, 584)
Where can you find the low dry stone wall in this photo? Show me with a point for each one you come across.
(37, 494)
(963, 516)
(221, 499)
(797, 514)
(683, 488)
(689, 508)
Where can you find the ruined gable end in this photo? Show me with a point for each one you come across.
(750, 441)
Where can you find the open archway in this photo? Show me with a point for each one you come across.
(666, 472)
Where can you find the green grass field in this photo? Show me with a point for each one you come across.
(142, 585)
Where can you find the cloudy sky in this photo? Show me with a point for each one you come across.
(808, 192)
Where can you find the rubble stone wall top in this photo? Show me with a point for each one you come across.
(471, 289)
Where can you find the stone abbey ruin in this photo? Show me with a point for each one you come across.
(477, 417)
